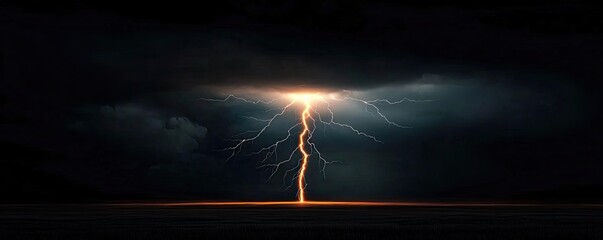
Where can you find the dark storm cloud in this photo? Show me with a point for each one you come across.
(119, 144)
(143, 133)
(90, 55)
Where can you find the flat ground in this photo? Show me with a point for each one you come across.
(296, 222)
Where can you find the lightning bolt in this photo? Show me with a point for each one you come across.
(301, 183)
(309, 116)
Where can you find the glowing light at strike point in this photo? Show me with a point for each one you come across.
(310, 116)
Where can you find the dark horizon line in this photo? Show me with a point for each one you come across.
(325, 203)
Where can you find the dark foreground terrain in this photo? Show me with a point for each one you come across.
(295, 222)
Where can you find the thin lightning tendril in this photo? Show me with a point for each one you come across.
(310, 116)
(377, 110)
(239, 98)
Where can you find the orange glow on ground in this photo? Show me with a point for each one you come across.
(342, 204)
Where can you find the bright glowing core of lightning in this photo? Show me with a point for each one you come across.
(306, 97)
(310, 105)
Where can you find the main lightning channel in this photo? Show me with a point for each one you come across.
(301, 184)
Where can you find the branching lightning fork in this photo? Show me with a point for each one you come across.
(309, 117)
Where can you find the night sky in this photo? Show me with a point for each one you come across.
(100, 101)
